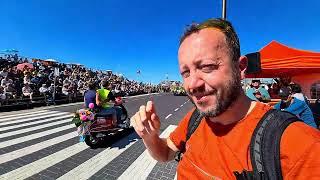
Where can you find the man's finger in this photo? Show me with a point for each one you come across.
(150, 107)
(133, 122)
(155, 121)
(144, 115)
(139, 124)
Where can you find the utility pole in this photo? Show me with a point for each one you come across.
(224, 9)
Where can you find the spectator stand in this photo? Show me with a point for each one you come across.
(47, 88)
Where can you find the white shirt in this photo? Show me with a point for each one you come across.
(26, 90)
(299, 96)
(43, 89)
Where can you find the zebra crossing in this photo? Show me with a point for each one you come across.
(43, 144)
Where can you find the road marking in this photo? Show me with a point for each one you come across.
(129, 97)
(4, 116)
(143, 165)
(168, 116)
(42, 164)
(46, 114)
(176, 109)
(63, 105)
(36, 147)
(93, 165)
(181, 105)
(22, 118)
(31, 123)
(34, 136)
(35, 128)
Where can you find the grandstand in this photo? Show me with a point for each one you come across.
(28, 83)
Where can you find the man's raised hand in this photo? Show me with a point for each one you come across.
(146, 122)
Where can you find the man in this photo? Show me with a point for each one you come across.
(10, 91)
(43, 89)
(90, 95)
(104, 96)
(66, 89)
(27, 91)
(2, 95)
(292, 103)
(103, 99)
(257, 92)
(212, 69)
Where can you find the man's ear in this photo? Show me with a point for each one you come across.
(243, 64)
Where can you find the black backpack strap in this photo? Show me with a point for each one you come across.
(193, 123)
(265, 144)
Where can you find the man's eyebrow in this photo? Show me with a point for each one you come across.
(213, 59)
(183, 67)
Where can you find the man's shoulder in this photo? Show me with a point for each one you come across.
(301, 131)
(298, 138)
(298, 142)
(189, 114)
(259, 109)
(178, 136)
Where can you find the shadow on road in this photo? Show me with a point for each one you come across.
(120, 140)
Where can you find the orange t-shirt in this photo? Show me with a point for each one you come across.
(215, 151)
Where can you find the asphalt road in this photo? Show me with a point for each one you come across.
(42, 143)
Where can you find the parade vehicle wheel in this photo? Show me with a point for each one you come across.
(124, 113)
(92, 141)
(124, 116)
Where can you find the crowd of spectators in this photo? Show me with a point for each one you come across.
(37, 78)
(291, 98)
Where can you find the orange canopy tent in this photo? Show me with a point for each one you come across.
(278, 60)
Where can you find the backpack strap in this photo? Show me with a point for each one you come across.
(265, 144)
(193, 123)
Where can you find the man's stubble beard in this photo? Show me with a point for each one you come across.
(225, 98)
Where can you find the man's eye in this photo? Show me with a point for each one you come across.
(209, 67)
(185, 74)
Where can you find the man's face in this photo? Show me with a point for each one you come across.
(210, 78)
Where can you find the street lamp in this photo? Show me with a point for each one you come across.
(224, 9)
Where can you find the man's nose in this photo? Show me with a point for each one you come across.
(195, 82)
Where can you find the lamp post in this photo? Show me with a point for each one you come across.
(56, 74)
(224, 9)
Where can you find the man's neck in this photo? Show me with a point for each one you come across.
(238, 110)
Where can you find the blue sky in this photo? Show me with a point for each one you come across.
(125, 36)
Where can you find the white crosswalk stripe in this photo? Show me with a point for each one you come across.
(34, 136)
(141, 167)
(29, 156)
(36, 127)
(41, 164)
(35, 122)
(33, 117)
(36, 147)
(93, 165)
(5, 116)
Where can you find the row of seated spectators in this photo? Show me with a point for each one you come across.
(36, 80)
